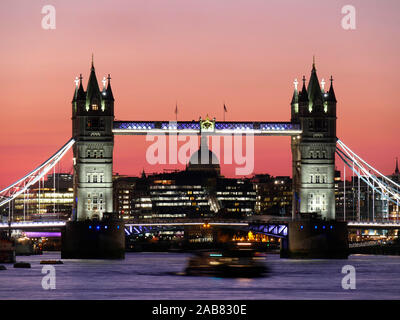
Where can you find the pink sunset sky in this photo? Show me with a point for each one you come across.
(201, 54)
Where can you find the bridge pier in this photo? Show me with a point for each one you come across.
(316, 239)
(93, 240)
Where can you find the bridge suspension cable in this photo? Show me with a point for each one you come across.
(14, 190)
(379, 183)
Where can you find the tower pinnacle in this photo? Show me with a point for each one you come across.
(295, 98)
(109, 93)
(313, 88)
(331, 93)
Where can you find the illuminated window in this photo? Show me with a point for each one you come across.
(95, 107)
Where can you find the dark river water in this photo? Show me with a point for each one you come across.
(151, 276)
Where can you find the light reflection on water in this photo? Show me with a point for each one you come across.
(152, 276)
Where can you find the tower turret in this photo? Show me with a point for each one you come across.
(108, 97)
(314, 92)
(303, 99)
(93, 96)
(330, 100)
(295, 102)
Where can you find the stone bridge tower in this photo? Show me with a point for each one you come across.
(92, 122)
(313, 152)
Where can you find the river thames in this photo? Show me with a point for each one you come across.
(153, 276)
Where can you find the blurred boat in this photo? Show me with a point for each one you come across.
(231, 263)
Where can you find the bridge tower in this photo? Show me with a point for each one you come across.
(313, 152)
(92, 234)
(92, 123)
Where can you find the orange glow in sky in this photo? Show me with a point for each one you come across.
(200, 54)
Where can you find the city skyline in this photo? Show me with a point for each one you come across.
(202, 155)
(170, 56)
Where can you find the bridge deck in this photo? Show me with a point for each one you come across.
(194, 128)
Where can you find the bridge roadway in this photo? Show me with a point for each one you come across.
(269, 225)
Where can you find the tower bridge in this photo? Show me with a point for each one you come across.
(312, 130)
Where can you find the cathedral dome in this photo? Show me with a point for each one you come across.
(204, 159)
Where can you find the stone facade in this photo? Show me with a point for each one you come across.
(92, 117)
(313, 152)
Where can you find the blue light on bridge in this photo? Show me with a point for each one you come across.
(117, 227)
(90, 227)
(331, 227)
(315, 227)
(215, 255)
(98, 227)
(105, 227)
(323, 227)
(301, 227)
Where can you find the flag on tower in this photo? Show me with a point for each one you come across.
(176, 111)
(225, 110)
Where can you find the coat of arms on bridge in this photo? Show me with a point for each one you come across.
(207, 125)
